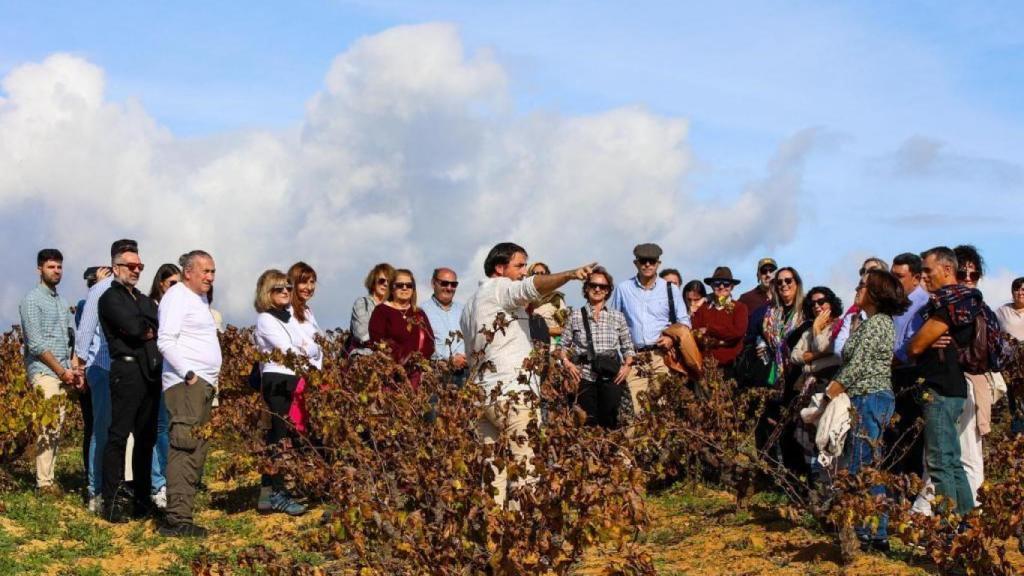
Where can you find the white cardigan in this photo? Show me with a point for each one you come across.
(272, 334)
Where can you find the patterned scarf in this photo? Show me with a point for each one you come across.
(963, 304)
(778, 324)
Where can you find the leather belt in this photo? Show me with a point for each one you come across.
(651, 348)
(126, 358)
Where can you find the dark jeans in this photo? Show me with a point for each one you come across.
(85, 403)
(133, 410)
(600, 400)
(277, 393)
(863, 448)
(942, 450)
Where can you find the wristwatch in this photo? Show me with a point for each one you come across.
(189, 376)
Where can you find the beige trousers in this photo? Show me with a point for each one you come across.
(642, 383)
(513, 424)
(46, 443)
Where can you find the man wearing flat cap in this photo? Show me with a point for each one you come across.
(650, 305)
(721, 323)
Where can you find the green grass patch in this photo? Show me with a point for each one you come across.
(39, 517)
(692, 499)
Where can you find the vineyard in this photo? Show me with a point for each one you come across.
(399, 484)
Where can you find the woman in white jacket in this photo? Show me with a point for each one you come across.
(277, 330)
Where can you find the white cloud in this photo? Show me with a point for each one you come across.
(412, 153)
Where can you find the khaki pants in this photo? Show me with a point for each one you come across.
(514, 424)
(188, 407)
(654, 368)
(46, 443)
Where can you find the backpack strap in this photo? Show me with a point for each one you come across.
(672, 318)
(590, 337)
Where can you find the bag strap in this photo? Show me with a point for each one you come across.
(590, 337)
(672, 318)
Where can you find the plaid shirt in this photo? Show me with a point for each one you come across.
(611, 333)
(47, 325)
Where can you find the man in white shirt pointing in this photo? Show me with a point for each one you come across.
(507, 290)
(187, 338)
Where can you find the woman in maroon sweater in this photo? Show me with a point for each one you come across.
(721, 323)
(402, 325)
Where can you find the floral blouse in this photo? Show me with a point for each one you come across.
(867, 357)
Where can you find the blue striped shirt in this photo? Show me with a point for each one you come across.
(47, 325)
(646, 311)
(90, 342)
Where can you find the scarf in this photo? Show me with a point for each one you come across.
(779, 323)
(963, 305)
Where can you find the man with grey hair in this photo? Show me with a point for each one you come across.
(192, 359)
(445, 314)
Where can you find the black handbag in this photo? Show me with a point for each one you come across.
(751, 370)
(606, 365)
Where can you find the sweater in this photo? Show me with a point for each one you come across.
(724, 330)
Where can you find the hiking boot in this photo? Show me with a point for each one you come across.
(182, 530)
(281, 501)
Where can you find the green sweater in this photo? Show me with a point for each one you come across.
(867, 357)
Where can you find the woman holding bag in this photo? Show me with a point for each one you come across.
(277, 330)
(597, 338)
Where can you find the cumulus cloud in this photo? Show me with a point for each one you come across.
(412, 152)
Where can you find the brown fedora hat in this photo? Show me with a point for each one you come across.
(722, 273)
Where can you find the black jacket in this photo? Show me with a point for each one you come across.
(129, 320)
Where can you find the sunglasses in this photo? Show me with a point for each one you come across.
(767, 270)
(598, 287)
(403, 285)
(447, 283)
(133, 267)
(965, 276)
(818, 301)
(281, 288)
(382, 281)
(720, 284)
(785, 281)
(647, 261)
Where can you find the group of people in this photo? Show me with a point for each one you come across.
(150, 363)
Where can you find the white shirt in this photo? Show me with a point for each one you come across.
(310, 328)
(1011, 320)
(187, 336)
(273, 334)
(507, 350)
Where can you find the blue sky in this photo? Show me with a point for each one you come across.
(915, 106)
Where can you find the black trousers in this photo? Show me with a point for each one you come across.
(277, 393)
(134, 401)
(600, 400)
(901, 437)
(85, 403)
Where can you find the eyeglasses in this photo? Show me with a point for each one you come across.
(785, 281)
(598, 287)
(281, 288)
(447, 283)
(382, 281)
(403, 285)
(720, 284)
(767, 270)
(647, 261)
(967, 276)
(133, 266)
(818, 301)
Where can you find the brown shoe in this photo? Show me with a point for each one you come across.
(51, 491)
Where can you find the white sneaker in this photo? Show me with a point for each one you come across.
(95, 504)
(160, 498)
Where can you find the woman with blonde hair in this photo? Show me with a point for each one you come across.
(277, 330)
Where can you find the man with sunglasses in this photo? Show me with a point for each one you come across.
(444, 314)
(92, 352)
(129, 321)
(761, 294)
(649, 304)
(188, 341)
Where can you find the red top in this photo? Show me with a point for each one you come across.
(404, 331)
(725, 330)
